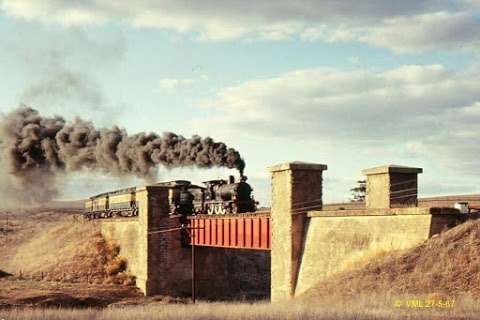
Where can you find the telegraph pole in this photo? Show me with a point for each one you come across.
(193, 267)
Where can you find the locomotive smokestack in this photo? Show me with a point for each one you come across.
(35, 148)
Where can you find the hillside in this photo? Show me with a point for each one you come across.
(78, 266)
(447, 264)
(62, 246)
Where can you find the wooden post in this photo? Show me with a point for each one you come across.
(6, 228)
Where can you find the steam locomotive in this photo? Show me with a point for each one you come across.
(184, 198)
(217, 197)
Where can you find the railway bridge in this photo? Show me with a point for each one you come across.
(285, 252)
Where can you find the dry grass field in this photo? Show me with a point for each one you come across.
(362, 307)
(83, 279)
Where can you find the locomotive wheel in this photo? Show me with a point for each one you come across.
(211, 210)
(220, 210)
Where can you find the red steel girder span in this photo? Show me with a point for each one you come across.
(235, 232)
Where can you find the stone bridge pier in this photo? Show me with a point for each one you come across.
(296, 187)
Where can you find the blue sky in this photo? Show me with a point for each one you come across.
(351, 84)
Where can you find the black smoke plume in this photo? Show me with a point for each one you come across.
(35, 149)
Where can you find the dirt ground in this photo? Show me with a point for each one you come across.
(16, 292)
(34, 241)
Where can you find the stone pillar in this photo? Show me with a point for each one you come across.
(153, 247)
(157, 259)
(392, 186)
(141, 275)
(296, 189)
(159, 244)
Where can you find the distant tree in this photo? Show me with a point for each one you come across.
(359, 192)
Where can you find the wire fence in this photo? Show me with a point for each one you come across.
(406, 195)
(403, 183)
(65, 277)
(411, 195)
(413, 190)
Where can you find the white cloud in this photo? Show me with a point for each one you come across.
(455, 144)
(325, 33)
(426, 32)
(173, 83)
(404, 26)
(425, 111)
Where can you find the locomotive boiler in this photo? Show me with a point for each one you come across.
(226, 197)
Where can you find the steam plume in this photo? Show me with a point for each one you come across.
(34, 149)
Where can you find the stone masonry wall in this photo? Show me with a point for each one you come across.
(335, 244)
(131, 236)
(233, 274)
(377, 197)
(125, 233)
